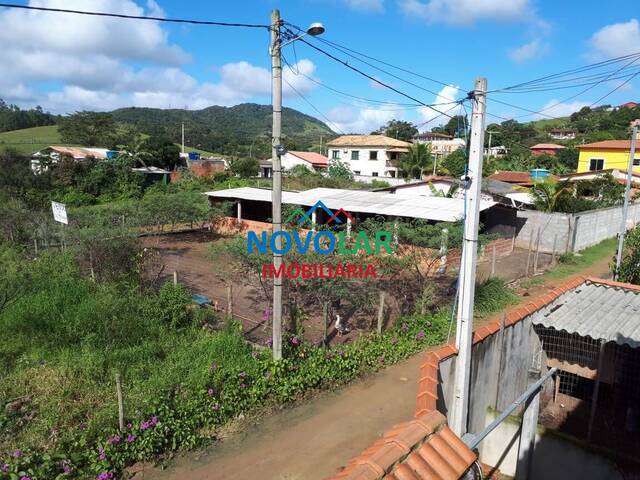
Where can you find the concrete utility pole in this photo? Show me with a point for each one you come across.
(182, 137)
(464, 329)
(625, 208)
(276, 197)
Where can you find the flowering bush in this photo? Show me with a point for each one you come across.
(185, 418)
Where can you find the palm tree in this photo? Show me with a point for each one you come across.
(416, 160)
(450, 193)
(548, 194)
(136, 151)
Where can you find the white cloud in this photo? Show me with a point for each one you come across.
(102, 63)
(431, 118)
(529, 51)
(83, 36)
(366, 120)
(555, 108)
(366, 5)
(466, 12)
(616, 40)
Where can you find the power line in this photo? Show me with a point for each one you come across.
(539, 112)
(312, 106)
(615, 89)
(355, 52)
(134, 17)
(567, 72)
(380, 82)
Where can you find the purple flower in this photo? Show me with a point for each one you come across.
(105, 476)
(25, 477)
(114, 440)
(242, 374)
(216, 406)
(66, 467)
(101, 453)
(211, 392)
(82, 426)
(295, 341)
(131, 438)
(144, 426)
(242, 385)
(4, 467)
(154, 420)
(17, 453)
(129, 426)
(420, 335)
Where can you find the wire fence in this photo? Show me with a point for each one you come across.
(597, 391)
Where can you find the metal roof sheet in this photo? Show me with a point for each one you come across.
(360, 201)
(595, 310)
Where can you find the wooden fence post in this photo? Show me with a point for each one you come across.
(529, 253)
(535, 260)
(493, 260)
(380, 312)
(120, 402)
(230, 301)
(325, 321)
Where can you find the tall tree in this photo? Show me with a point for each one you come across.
(398, 129)
(415, 162)
(90, 129)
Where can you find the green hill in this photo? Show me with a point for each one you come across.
(230, 130)
(29, 140)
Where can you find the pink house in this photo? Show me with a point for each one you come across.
(545, 148)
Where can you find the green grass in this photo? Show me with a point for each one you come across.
(29, 140)
(574, 264)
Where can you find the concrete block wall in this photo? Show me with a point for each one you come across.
(572, 232)
(594, 226)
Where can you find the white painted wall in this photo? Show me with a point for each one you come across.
(289, 161)
(363, 166)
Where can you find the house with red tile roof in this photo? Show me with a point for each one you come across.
(546, 149)
(311, 160)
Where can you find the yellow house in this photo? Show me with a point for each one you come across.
(609, 154)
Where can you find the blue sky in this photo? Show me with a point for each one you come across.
(67, 62)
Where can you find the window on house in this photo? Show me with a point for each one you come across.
(373, 155)
(335, 154)
(355, 154)
(392, 173)
(356, 172)
(374, 174)
(393, 155)
(596, 164)
(636, 162)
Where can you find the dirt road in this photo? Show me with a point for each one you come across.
(309, 441)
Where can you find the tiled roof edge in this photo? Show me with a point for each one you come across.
(613, 283)
(427, 397)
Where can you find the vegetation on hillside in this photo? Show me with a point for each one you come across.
(13, 117)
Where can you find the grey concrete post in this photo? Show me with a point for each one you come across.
(528, 437)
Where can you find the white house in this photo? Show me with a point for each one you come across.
(311, 160)
(441, 144)
(369, 155)
(53, 153)
(563, 133)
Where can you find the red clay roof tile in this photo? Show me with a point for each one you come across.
(421, 449)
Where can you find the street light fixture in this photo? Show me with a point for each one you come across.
(277, 151)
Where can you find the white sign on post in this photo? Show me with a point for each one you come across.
(59, 212)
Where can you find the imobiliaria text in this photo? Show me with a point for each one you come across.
(323, 242)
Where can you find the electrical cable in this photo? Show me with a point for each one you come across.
(567, 72)
(357, 70)
(134, 17)
(313, 106)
